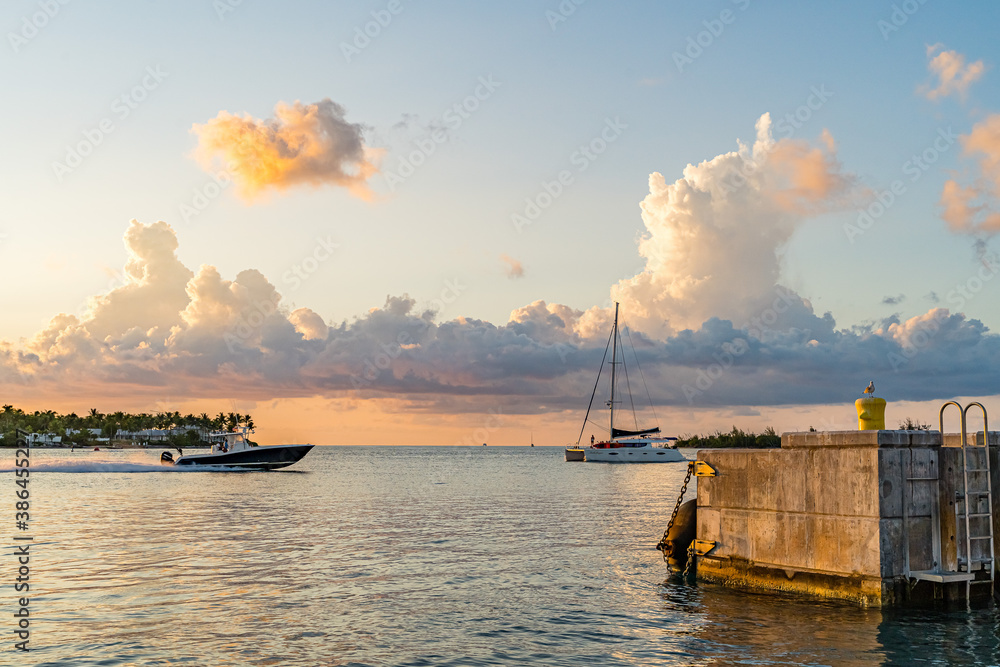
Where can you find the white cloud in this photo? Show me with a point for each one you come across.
(711, 324)
(713, 236)
(953, 76)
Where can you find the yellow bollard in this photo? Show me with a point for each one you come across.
(871, 413)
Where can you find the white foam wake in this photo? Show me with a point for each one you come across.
(112, 467)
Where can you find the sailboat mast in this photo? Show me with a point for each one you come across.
(614, 366)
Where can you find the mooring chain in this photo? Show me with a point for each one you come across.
(690, 561)
(662, 544)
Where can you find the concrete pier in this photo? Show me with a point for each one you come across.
(843, 514)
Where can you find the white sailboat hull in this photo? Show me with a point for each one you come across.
(632, 445)
(644, 454)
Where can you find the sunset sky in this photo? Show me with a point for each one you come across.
(403, 222)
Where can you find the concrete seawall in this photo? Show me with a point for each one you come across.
(844, 514)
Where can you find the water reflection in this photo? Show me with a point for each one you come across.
(388, 556)
(938, 637)
(722, 626)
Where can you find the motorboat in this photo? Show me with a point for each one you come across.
(233, 449)
(636, 445)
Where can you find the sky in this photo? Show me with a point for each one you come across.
(402, 222)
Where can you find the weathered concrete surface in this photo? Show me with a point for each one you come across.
(834, 514)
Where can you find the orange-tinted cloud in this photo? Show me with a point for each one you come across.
(975, 207)
(713, 236)
(985, 140)
(953, 75)
(735, 337)
(807, 178)
(303, 144)
(513, 268)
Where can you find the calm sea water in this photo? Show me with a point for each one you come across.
(409, 556)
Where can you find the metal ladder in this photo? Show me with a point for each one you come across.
(974, 507)
(973, 513)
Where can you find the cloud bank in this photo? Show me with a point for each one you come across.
(709, 321)
(303, 144)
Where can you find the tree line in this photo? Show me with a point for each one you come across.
(735, 438)
(114, 423)
(768, 438)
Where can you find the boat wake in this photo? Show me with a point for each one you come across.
(116, 467)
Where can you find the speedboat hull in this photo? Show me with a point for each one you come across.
(644, 454)
(268, 457)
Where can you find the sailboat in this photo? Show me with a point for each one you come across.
(636, 445)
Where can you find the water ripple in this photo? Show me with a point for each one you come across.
(413, 556)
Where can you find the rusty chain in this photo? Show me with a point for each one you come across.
(690, 561)
(662, 544)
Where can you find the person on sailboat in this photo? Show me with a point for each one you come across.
(591, 439)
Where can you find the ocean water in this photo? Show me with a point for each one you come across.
(409, 556)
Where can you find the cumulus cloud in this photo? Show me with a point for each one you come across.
(709, 320)
(975, 207)
(172, 331)
(713, 236)
(953, 76)
(513, 268)
(153, 292)
(303, 144)
(308, 323)
(893, 300)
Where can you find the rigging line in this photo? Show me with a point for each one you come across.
(628, 386)
(594, 393)
(639, 366)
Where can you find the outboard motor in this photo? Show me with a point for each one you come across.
(166, 457)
